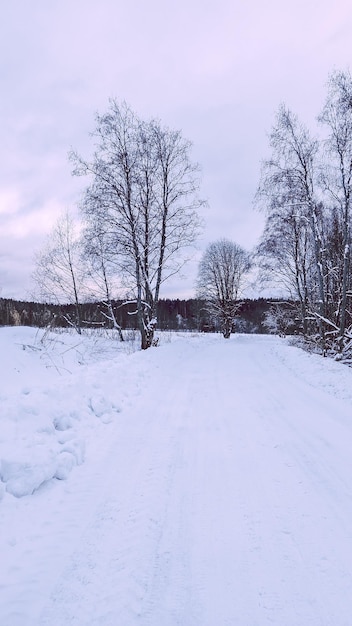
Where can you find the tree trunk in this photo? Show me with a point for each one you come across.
(147, 338)
(319, 269)
(227, 327)
(346, 264)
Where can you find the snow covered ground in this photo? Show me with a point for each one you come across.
(201, 483)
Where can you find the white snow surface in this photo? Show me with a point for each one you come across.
(204, 482)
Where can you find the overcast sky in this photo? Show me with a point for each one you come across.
(216, 70)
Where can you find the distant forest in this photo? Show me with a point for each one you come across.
(176, 314)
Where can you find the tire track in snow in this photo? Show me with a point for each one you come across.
(124, 537)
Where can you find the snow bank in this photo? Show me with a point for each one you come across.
(50, 403)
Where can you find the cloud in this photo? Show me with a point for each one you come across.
(36, 223)
(9, 201)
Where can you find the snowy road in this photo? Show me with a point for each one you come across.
(220, 496)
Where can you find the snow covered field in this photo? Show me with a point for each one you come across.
(201, 483)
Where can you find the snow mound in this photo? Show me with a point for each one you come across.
(50, 404)
(66, 462)
(22, 479)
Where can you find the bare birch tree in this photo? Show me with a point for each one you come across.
(337, 181)
(58, 271)
(287, 193)
(220, 276)
(143, 196)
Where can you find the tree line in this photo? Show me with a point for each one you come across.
(252, 316)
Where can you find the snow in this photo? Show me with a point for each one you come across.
(203, 482)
